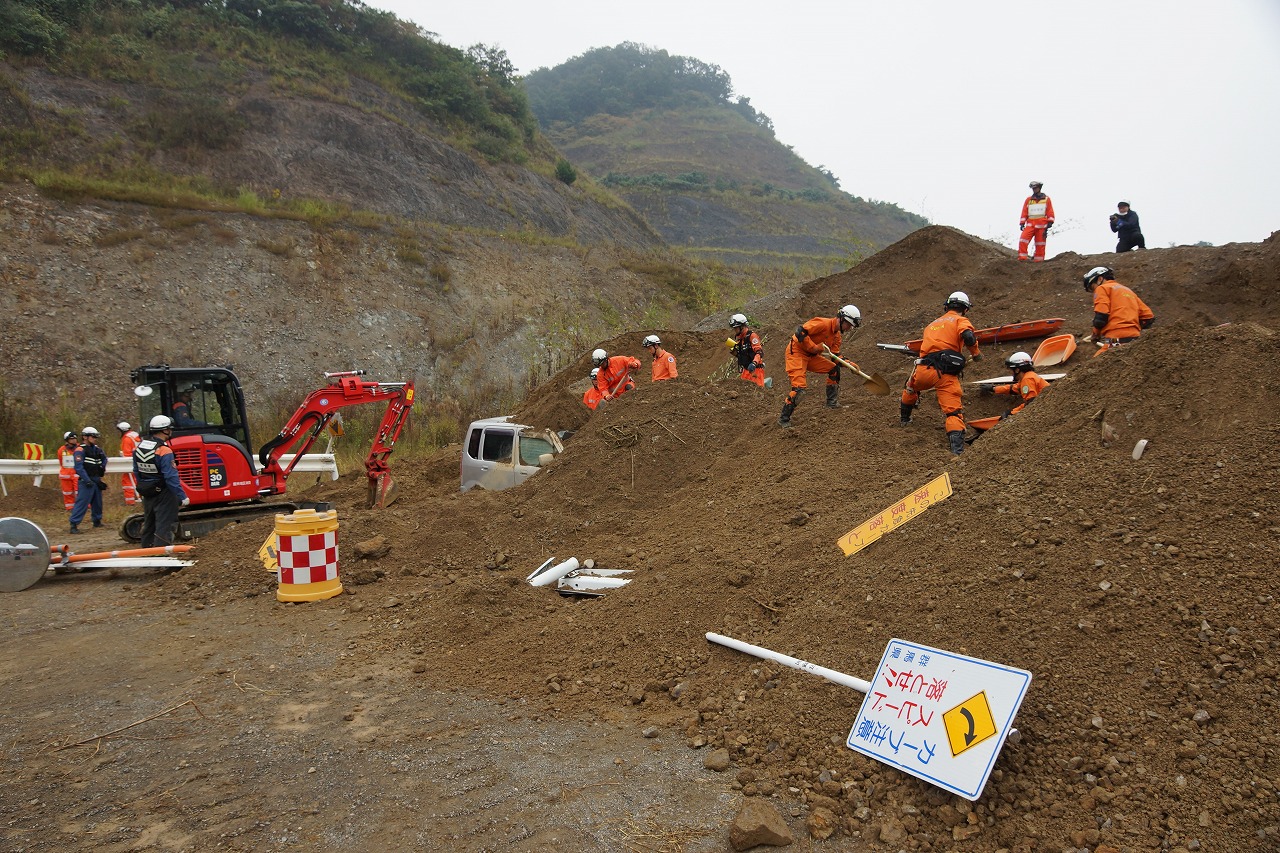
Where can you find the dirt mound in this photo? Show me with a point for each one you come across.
(1139, 593)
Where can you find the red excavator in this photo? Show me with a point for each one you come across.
(211, 441)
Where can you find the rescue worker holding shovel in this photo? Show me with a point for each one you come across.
(614, 378)
(748, 350)
(158, 483)
(940, 366)
(1119, 316)
(805, 354)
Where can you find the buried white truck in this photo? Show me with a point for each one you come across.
(498, 454)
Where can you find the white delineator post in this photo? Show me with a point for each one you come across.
(795, 663)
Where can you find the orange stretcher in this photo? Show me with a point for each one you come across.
(1008, 332)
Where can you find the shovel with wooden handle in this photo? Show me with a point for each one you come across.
(876, 383)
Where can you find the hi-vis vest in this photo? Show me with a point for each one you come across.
(144, 458)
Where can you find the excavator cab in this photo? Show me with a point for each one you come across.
(205, 400)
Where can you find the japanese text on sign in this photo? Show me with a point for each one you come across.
(895, 516)
(939, 716)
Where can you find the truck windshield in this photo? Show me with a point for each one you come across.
(532, 448)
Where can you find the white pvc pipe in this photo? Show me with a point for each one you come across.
(546, 577)
(795, 663)
(589, 582)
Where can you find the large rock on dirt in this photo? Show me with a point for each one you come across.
(758, 823)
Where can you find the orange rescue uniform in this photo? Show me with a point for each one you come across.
(67, 477)
(942, 338)
(1027, 387)
(128, 485)
(1037, 216)
(664, 365)
(750, 355)
(805, 356)
(1119, 315)
(614, 378)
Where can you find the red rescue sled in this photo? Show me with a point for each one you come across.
(1009, 332)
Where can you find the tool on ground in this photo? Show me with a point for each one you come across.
(902, 348)
(1008, 378)
(1054, 351)
(875, 383)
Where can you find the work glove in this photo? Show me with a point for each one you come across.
(185, 502)
(101, 484)
(977, 356)
(751, 368)
(1047, 227)
(986, 391)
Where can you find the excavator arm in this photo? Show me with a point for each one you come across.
(315, 412)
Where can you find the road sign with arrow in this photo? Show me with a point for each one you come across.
(939, 716)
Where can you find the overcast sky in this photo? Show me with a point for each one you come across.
(949, 109)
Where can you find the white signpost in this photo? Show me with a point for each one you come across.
(939, 716)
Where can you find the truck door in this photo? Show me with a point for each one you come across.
(490, 462)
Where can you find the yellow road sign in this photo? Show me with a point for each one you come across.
(969, 723)
(31, 450)
(893, 517)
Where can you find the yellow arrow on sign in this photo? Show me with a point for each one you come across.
(969, 723)
(895, 516)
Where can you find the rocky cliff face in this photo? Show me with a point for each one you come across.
(471, 278)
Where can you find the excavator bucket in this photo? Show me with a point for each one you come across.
(382, 490)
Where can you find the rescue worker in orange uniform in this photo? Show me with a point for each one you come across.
(128, 441)
(805, 355)
(614, 378)
(1037, 219)
(591, 397)
(748, 350)
(1119, 315)
(67, 476)
(664, 363)
(940, 365)
(1026, 384)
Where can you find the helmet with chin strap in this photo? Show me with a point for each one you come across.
(599, 357)
(1019, 361)
(737, 321)
(851, 315)
(1092, 277)
(651, 341)
(160, 422)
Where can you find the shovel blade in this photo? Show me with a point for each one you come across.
(382, 491)
(877, 384)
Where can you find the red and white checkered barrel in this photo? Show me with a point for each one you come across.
(307, 554)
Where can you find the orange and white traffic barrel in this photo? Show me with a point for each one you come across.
(307, 555)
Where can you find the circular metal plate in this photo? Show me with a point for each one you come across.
(24, 554)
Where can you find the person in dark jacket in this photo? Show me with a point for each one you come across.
(1125, 224)
(91, 467)
(158, 484)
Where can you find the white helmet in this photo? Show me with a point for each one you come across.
(651, 341)
(1019, 361)
(123, 426)
(160, 422)
(959, 300)
(68, 434)
(599, 357)
(737, 320)
(851, 315)
(1092, 276)
(595, 372)
(89, 431)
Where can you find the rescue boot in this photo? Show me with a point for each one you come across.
(904, 413)
(75, 529)
(784, 420)
(956, 439)
(832, 392)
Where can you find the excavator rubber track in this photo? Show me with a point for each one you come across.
(202, 522)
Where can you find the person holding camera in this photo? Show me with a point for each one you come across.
(1125, 224)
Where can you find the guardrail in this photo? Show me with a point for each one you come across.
(313, 463)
